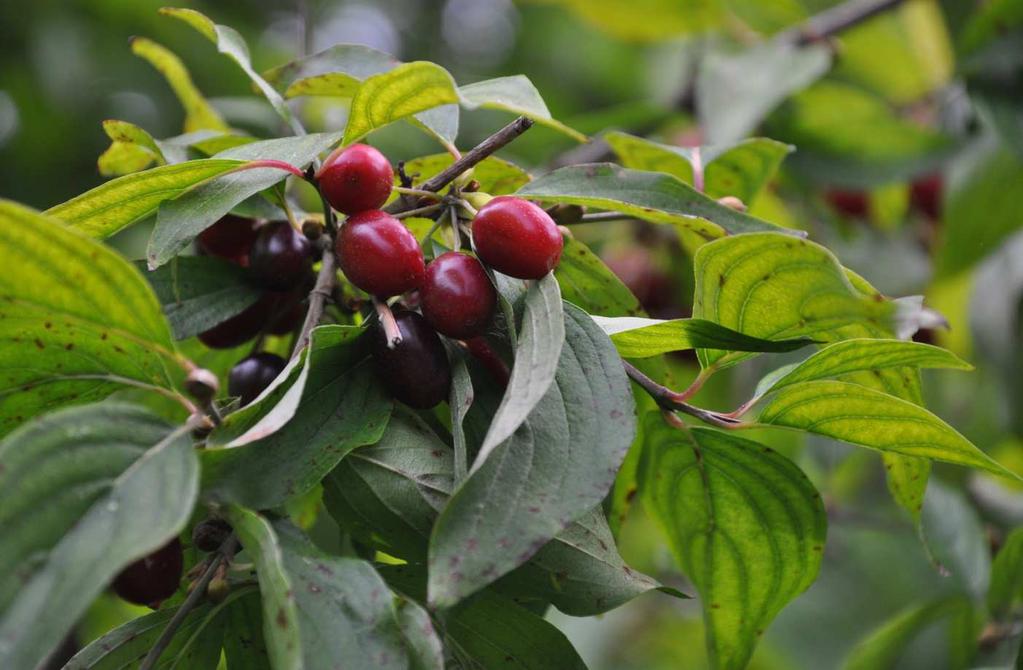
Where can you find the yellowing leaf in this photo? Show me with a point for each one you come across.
(199, 114)
(406, 90)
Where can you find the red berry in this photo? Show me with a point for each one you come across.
(152, 578)
(286, 312)
(356, 179)
(925, 195)
(457, 297)
(281, 257)
(229, 238)
(516, 238)
(379, 255)
(853, 204)
(251, 375)
(416, 370)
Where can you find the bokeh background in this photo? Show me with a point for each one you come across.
(908, 164)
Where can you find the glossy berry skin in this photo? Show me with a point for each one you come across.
(356, 179)
(152, 578)
(239, 328)
(516, 238)
(379, 254)
(457, 297)
(230, 238)
(252, 374)
(208, 535)
(281, 257)
(415, 371)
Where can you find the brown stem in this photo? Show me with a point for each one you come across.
(675, 402)
(485, 148)
(224, 553)
(837, 19)
(386, 316)
(319, 296)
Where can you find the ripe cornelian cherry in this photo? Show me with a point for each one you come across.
(356, 179)
(925, 195)
(281, 257)
(152, 578)
(854, 204)
(379, 254)
(416, 370)
(230, 238)
(252, 374)
(457, 297)
(516, 238)
(240, 328)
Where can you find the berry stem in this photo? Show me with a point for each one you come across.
(391, 331)
(318, 297)
(485, 148)
(429, 209)
(418, 192)
(673, 401)
(456, 237)
(697, 161)
(224, 553)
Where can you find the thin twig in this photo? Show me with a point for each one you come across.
(391, 330)
(319, 296)
(469, 159)
(198, 591)
(837, 19)
(675, 402)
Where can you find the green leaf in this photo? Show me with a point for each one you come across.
(131, 149)
(399, 93)
(557, 466)
(649, 196)
(181, 219)
(955, 538)
(1006, 588)
(81, 314)
(637, 337)
(868, 418)
(196, 644)
(741, 170)
(391, 493)
(199, 292)
(230, 43)
(648, 20)
(199, 114)
(495, 175)
(744, 522)
(424, 646)
(867, 144)
(108, 208)
(762, 76)
(537, 351)
(981, 210)
(459, 402)
(84, 492)
(588, 283)
(339, 72)
(318, 608)
(775, 287)
(882, 648)
(244, 646)
(515, 94)
(342, 407)
(858, 355)
(491, 631)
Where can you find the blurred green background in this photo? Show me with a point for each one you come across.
(908, 165)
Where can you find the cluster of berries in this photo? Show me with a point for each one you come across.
(278, 260)
(379, 255)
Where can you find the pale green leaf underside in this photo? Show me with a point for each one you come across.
(117, 484)
(132, 149)
(651, 196)
(82, 315)
(745, 524)
(515, 94)
(637, 337)
(536, 360)
(865, 417)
